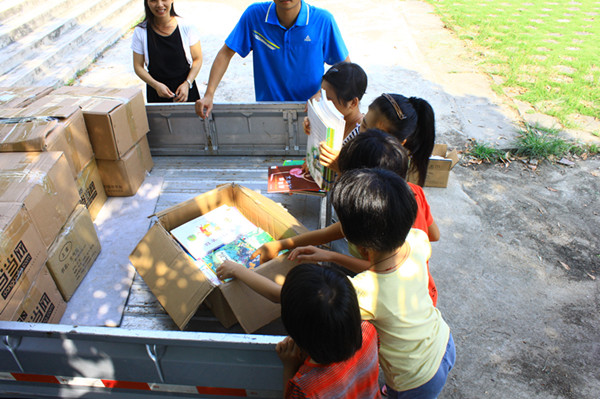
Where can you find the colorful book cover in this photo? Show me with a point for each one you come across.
(286, 179)
(326, 124)
(204, 234)
(238, 251)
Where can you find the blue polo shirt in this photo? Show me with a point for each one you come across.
(288, 63)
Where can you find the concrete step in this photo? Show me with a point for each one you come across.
(17, 52)
(8, 8)
(74, 50)
(33, 17)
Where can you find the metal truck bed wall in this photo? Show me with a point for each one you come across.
(259, 129)
(147, 356)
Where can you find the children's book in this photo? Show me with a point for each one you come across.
(326, 124)
(204, 234)
(238, 251)
(291, 178)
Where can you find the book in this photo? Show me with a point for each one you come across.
(326, 124)
(238, 251)
(204, 234)
(290, 178)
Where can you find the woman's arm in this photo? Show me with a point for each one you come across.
(142, 73)
(183, 90)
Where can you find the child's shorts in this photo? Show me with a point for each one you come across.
(432, 388)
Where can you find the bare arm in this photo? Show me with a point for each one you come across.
(262, 285)
(219, 67)
(270, 250)
(183, 90)
(433, 231)
(313, 254)
(142, 73)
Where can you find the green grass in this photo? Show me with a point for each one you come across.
(485, 152)
(546, 52)
(538, 143)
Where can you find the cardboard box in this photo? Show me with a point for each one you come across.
(90, 187)
(180, 286)
(441, 163)
(19, 97)
(46, 126)
(73, 252)
(115, 118)
(41, 304)
(22, 251)
(43, 183)
(123, 177)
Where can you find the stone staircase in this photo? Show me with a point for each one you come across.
(47, 42)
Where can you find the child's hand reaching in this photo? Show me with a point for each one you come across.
(267, 251)
(328, 157)
(306, 124)
(229, 269)
(310, 253)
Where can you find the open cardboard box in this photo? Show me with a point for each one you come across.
(441, 163)
(180, 286)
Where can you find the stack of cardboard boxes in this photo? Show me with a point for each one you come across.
(51, 189)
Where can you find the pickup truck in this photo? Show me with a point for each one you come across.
(147, 355)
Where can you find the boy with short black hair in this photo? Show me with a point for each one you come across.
(319, 310)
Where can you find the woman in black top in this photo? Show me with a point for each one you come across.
(171, 50)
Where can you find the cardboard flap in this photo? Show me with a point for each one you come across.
(25, 134)
(250, 308)
(177, 283)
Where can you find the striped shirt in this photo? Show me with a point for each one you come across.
(356, 377)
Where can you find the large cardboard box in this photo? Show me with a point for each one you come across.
(43, 183)
(46, 126)
(441, 163)
(73, 252)
(22, 251)
(41, 304)
(90, 187)
(122, 178)
(22, 96)
(180, 286)
(115, 118)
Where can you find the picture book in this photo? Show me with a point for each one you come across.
(291, 178)
(238, 251)
(326, 124)
(204, 234)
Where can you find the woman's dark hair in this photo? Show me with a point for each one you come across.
(319, 310)
(149, 17)
(375, 207)
(411, 119)
(374, 149)
(348, 80)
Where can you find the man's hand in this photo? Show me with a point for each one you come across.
(204, 106)
(306, 125)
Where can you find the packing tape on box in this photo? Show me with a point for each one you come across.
(21, 132)
(128, 111)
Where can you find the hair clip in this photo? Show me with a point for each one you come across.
(399, 112)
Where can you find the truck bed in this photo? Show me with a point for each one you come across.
(185, 177)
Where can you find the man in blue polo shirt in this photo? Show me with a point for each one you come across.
(291, 41)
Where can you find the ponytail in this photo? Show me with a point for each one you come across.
(420, 143)
(412, 121)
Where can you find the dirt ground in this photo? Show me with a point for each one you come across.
(518, 264)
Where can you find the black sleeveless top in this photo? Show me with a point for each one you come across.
(166, 55)
(167, 64)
